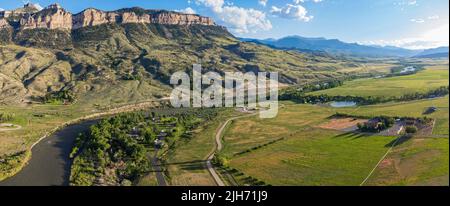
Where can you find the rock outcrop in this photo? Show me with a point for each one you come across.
(27, 8)
(181, 19)
(4, 24)
(52, 17)
(55, 17)
(93, 17)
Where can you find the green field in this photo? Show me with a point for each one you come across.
(417, 162)
(185, 163)
(422, 81)
(409, 109)
(309, 155)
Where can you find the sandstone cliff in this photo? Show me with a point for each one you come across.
(93, 17)
(4, 24)
(56, 17)
(52, 17)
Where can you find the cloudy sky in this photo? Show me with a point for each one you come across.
(412, 24)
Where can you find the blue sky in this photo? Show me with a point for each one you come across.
(405, 23)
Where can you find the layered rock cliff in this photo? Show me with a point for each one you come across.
(52, 17)
(56, 17)
(4, 24)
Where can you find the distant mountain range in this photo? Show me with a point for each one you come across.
(335, 46)
(433, 53)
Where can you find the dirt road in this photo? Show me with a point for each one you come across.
(218, 148)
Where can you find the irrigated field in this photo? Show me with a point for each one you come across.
(423, 81)
(420, 161)
(185, 162)
(410, 109)
(309, 155)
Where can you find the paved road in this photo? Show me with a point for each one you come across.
(158, 170)
(218, 148)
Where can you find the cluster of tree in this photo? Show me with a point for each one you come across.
(411, 129)
(122, 143)
(129, 76)
(4, 117)
(64, 96)
(376, 124)
(107, 144)
(301, 97)
(311, 87)
(439, 92)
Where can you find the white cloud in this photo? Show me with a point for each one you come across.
(434, 17)
(412, 2)
(263, 2)
(430, 39)
(215, 5)
(1, 9)
(290, 11)
(187, 10)
(417, 20)
(303, 1)
(240, 20)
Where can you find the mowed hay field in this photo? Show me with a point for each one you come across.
(420, 161)
(309, 155)
(430, 78)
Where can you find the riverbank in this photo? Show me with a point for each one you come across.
(22, 161)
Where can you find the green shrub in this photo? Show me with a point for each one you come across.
(411, 129)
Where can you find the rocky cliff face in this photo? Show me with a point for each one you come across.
(55, 17)
(93, 17)
(4, 24)
(52, 17)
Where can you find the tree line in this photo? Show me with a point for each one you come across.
(303, 98)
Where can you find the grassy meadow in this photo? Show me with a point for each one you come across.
(185, 163)
(309, 155)
(431, 78)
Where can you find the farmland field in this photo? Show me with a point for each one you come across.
(422, 161)
(185, 163)
(410, 109)
(423, 81)
(309, 155)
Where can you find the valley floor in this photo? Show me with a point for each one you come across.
(301, 146)
(308, 155)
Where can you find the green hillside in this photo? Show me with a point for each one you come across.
(131, 62)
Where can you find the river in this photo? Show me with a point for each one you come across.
(50, 162)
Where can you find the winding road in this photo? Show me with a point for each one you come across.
(218, 148)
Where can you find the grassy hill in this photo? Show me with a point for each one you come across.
(138, 59)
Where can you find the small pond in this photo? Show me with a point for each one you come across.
(343, 104)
